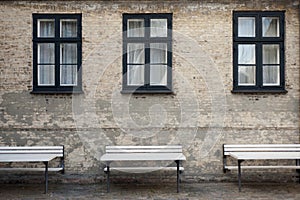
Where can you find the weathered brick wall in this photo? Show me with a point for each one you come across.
(202, 114)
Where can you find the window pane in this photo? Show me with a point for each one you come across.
(68, 53)
(46, 53)
(135, 75)
(68, 28)
(158, 53)
(68, 75)
(271, 75)
(135, 53)
(159, 27)
(271, 54)
(158, 75)
(246, 75)
(135, 28)
(270, 26)
(46, 28)
(246, 53)
(246, 27)
(46, 75)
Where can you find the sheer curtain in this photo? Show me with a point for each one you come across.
(158, 52)
(271, 64)
(159, 28)
(158, 64)
(246, 61)
(46, 28)
(136, 53)
(271, 55)
(46, 66)
(135, 28)
(246, 27)
(68, 28)
(68, 53)
(136, 63)
(68, 67)
(270, 26)
(46, 55)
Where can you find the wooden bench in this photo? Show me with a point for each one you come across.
(243, 152)
(140, 154)
(33, 154)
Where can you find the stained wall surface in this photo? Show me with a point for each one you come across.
(201, 114)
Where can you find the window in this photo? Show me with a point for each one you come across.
(57, 53)
(147, 53)
(258, 51)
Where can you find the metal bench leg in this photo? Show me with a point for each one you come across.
(240, 174)
(224, 161)
(298, 170)
(178, 175)
(46, 177)
(107, 180)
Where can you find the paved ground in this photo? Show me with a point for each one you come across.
(205, 190)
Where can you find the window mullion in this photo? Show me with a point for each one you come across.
(57, 64)
(281, 63)
(258, 24)
(147, 64)
(259, 65)
(57, 51)
(147, 51)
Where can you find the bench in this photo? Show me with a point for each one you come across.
(244, 152)
(142, 154)
(33, 154)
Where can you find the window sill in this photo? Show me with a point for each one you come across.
(238, 91)
(147, 92)
(56, 92)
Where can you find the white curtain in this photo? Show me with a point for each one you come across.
(46, 55)
(246, 62)
(68, 28)
(46, 28)
(246, 27)
(271, 64)
(136, 63)
(270, 26)
(68, 64)
(135, 28)
(46, 61)
(246, 75)
(158, 64)
(271, 55)
(159, 28)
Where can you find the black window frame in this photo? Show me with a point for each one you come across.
(259, 41)
(147, 40)
(57, 40)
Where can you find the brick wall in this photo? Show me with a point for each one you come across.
(202, 114)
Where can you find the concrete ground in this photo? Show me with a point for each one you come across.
(161, 191)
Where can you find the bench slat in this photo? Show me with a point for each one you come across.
(31, 148)
(261, 145)
(28, 157)
(31, 152)
(143, 169)
(142, 157)
(262, 149)
(263, 167)
(144, 151)
(144, 147)
(33, 169)
(265, 155)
